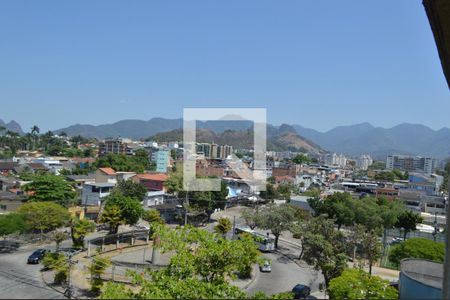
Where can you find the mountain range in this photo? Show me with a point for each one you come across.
(278, 138)
(413, 139)
(11, 126)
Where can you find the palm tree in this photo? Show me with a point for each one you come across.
(35, 133)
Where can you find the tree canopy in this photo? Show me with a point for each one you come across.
(44, 216)
(407, 220)
(12, 223)
(130, 209)
(417, 248)
(357, 284)
(276, 218)
(47, 187)
(199, 269)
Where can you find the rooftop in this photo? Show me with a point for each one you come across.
(424, 271)
(155, 176)
(108, 171)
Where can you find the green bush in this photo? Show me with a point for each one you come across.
(417, 248)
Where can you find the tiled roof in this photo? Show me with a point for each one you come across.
(7, 165)
(108, 171)
(155, 176)
(37, 166)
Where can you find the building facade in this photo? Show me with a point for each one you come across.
(411, 163)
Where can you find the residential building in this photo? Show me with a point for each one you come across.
(208, 168)
(363, 162)
(286, 170)
(80, 180)
(335, 160)
(93, 193)
(411, 163)
(106, 175)
(214, 151)
(115, 146)
(162, 161)
(154, 198)
(152, 181)
(10, 202)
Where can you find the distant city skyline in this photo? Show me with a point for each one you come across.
(316, 64)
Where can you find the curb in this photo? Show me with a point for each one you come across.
(256, 271)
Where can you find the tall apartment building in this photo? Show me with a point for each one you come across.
(336, 160)
(162, 158)
(411, 163)
(214, 151)
(115, 146)
(363, 162)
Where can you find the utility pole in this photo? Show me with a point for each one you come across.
(234, 227)
(68, 293)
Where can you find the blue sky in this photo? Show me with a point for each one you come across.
(315, 63)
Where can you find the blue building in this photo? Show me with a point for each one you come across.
(162, 161)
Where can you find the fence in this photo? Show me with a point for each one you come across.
(440, 237)
(115, 241)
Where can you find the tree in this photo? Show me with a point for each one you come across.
(59, 263)
(153, 217)
(270, 193)
(324, 247)
(338, 206)
(78, 231)
(223, 226)
(59, 237)
(47, 187)
(112, 215)
(12, 223)
(120, 162)
(131, 209)
(276, 219)
(44, 216)
(357, 284)
(199, 269)
(371, 247)
(417, 248)
(129, 188)
(209, 256)
(301, 159)
(407, 220)
(250, 217)
(162, 285)
(96, 269)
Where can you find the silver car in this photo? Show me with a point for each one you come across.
(266, 267)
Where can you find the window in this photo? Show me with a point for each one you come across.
(2, 206)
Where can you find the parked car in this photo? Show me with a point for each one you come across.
(301, 291)
(266, 267)
(67, 251)
(36, 256)
(396, 241)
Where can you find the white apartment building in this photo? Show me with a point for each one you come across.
(335, 160)
(363, 162)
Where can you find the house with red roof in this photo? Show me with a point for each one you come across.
(106, 175)
(152, 181)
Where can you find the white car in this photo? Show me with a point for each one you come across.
(265, 267)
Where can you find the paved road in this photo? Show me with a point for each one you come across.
(18, 280)
(284, 276)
